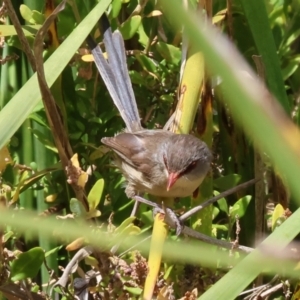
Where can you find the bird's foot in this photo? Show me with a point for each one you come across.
(170, 218)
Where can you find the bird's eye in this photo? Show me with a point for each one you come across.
(191, 166)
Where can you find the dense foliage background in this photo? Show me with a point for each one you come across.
(37, 176)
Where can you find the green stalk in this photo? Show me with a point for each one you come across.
(257, 18)
(4, 78)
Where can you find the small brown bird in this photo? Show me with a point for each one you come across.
(160, 162)
(157, 162)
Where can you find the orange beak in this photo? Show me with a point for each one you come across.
(171, 180)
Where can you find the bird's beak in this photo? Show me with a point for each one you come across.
(171, 180)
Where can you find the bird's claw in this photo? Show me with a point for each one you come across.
(170, 218)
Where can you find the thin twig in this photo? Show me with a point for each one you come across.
(216, 198)
(80, 255)
(271, 290)
(192, 233)
(259, 289)
(220, 243)
(27, 291)
(56, 124)
(25, 45)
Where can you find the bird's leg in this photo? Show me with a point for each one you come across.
(138, 200)
(131, 193)
(170, 217)
(135, 207)
(145, 201)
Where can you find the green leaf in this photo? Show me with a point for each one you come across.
(38, 119)
(137, 78)
(52, 251)
(146, 63)
(215, 212)
(239, 208)
(168, 270)
(97, 153)
(37, 17)
(95, 194)
(127, 222)
(168, 98)
(130, 27)
(278, 213)
(25, 12)
(9, 30)
(221, 227)
(222, 203)
(77, 208)
(7, 236)
(219, 16)
(28, 264)
(143, 37)
(133, 290)
(147, 218)
(91, 261)
(292, 38)
(170, 53)
(115, 8)
(44, 139)
(126, 229)
(226, 182)
(291, 67)
(154, 13)
(31, 16)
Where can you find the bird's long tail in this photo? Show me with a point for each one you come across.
(114, 73)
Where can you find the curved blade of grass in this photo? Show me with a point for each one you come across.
(256, 14)
(262, 119)
(235, 281)
(21, 105)
(192, 252)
